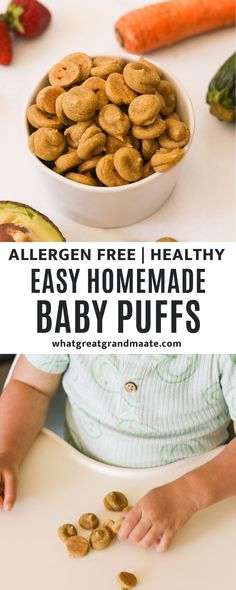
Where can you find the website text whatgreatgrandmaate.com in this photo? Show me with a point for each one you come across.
(105, 344)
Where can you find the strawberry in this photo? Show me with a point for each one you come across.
(5, 44)
(27, 18)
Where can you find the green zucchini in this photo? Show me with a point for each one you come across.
(221, 92)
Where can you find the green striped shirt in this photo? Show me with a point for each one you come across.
(145, 410)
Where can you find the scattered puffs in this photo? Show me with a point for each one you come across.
(100, 538)
(166, 239)
(89, 521)
(115, 501)
(126, 580)
(66, 531)
(77, 546)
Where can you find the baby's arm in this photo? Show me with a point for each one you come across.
(156, 518)
(24, 404)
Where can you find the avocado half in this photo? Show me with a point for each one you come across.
(21, 223)
(221, 92)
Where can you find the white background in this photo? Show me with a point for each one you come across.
(217, 315)
(202, 207)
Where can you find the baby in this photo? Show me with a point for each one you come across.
(132, 411)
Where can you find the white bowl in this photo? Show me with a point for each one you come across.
(107, 207)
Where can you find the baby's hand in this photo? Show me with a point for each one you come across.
(8, 481)
(156, 518)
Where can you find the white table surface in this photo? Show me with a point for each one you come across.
(202, 206)
(58, 484)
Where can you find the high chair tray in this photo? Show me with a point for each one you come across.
(58, 484)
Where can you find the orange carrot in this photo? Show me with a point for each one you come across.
(162, 24)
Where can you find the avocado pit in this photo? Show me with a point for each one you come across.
(10, 232)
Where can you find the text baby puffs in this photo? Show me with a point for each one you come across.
(149, 299)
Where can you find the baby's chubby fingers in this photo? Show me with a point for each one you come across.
(1, 491)
(165, 542)
(130, 522)
(10, 488)
(141, 530)
(151, 538)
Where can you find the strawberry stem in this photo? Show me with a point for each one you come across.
(12, 17)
